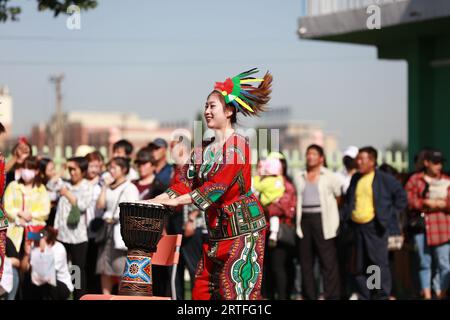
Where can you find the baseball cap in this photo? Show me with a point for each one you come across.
(435, 156)
(351, 151)
(158, 143)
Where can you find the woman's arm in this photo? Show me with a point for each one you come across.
(101, 201)
(178, 201)
(25, 262)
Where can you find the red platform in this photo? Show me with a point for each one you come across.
(114, 297)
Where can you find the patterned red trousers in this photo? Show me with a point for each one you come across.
(2, 250)
(231, 269)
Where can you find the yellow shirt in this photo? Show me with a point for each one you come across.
(364, 210)
(37, 202)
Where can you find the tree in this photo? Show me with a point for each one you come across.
(12, 12)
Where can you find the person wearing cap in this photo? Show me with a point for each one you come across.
(147, 184)
(373, 197)
(429, 196)
(350, 167)
(163, 170)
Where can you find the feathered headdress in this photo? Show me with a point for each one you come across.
(241, 94)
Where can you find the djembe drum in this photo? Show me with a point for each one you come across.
(141, 226)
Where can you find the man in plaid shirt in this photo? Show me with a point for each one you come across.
(429, 193)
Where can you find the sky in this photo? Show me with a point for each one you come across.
(160, 59)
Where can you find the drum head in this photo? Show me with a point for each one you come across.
(143, 203)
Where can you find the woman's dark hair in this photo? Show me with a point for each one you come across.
(32, 163)
(123, 163)
(125, 144)
(43, 163)
(51, 234)
(419, 159)
(81, 162)
(22, 141)
(349, 163)
(95, 156)
(320, 151)
(284, 165)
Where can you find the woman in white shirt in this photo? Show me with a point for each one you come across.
(112, 252)
(75, 198)
(45, 263)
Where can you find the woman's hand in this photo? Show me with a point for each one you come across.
(189, 229)
(435, 204)
(25, 215)
(168, 202)
(63, 191)
(27, 247)
(108, 180)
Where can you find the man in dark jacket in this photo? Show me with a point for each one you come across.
(373, 197)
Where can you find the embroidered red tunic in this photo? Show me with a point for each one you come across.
(3, 219)
(220, 184)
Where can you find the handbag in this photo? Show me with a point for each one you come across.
(286, 235)
(102, 233)
(99, 226)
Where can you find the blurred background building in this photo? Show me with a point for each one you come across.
(102, 129)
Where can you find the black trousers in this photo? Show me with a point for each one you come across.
(281, 270)
(311, 245)
(371, 241)
(45, 291)
(93, 282)
(77, 254)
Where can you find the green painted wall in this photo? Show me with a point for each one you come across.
(428, 91)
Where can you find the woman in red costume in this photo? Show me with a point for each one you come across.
(217, 179)
(3, 219)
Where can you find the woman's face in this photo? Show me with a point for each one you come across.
(145, 169)
(216, 116)
(116, 171)
(50, 171)
(76, 175)
(94, 169)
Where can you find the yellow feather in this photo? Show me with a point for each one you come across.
(242, 103)
(251, 80)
